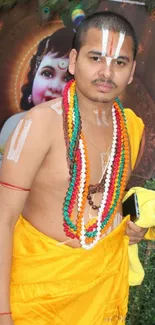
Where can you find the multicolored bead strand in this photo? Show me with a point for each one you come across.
(115, 177)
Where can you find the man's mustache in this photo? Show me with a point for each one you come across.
(108, 81)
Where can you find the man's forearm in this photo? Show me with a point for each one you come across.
(6, 238)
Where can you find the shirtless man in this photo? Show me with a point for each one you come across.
(53, 279)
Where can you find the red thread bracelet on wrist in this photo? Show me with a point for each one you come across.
(7, 313)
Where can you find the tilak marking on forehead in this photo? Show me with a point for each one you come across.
(15, 150)
(108, 60)
(105, 37)
(119, 45)
(112, 42)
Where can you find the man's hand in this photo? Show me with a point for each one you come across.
(135, 233)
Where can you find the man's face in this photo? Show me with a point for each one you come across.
(50, 78)
(104, 65)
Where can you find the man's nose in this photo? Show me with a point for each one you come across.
(106, 68)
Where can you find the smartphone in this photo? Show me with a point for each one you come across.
(131, 206)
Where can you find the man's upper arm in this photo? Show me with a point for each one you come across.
(23, 156)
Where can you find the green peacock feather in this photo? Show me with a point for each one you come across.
(65, 7)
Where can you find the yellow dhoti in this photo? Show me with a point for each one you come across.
(57, 284)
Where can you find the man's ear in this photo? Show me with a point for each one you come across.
(72, 61)
(132, 72)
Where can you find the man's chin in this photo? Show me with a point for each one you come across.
(102, 99)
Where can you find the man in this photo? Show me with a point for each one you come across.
(65, 168)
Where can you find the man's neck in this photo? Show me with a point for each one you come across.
(95, 113)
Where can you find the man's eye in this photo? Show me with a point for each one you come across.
(120, 63)
(47, 74)
(96, 58)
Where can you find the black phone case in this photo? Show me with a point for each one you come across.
(130, 206)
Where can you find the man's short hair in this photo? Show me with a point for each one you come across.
(108, 20)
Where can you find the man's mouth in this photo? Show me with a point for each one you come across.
(104, 86)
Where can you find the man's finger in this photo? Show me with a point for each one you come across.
(134, 227)
(131, 234)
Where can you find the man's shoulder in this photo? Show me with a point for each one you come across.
(50, 107)
(136, 134)
(46, 113)
(130, 112)
(133, 118)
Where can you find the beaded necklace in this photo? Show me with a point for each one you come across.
(78, 189)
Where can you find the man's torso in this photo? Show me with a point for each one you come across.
(44, 205)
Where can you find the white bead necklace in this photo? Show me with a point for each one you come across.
(105, 192)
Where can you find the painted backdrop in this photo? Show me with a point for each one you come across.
(27, 80)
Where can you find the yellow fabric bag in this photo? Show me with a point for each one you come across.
(146, 201)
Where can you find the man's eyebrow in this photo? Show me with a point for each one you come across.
(95, 52)
(123, 57)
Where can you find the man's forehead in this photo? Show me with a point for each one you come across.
(94, 38)
(95, 34)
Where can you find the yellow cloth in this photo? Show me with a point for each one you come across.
(57, 284)
(146, 201)
(135, 130)
(60, 285)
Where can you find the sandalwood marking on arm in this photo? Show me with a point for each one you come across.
(16, 149)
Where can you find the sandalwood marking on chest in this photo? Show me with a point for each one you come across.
(56, 107)
(101, 118)
(17, 145)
